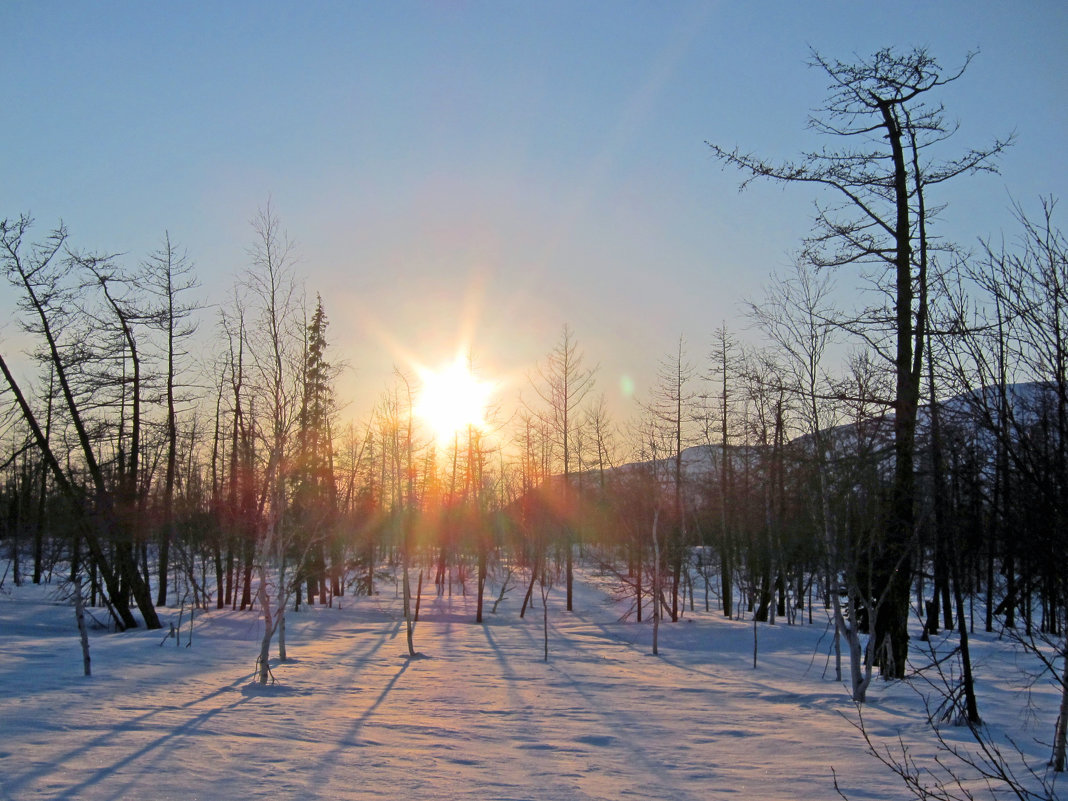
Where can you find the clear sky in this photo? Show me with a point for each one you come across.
(486, 171)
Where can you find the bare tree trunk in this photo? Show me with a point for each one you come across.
(38, 531)
(544, 586)
(409, 625)
(500, 595)
(481, 581)
(282, 656)
(264, 662)
(530, 588)
(1061, 734)
(79, 613)
(638, 573)
(280, 611)
(755, 641)
(656, 583)
(836, 603)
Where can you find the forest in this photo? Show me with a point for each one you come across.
(896, 460)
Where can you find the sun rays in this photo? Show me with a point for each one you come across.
(452, 399)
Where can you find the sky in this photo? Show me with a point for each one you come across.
(475, 175)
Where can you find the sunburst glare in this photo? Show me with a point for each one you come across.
(452, 398)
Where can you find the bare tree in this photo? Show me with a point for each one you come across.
(1022, 321)
(44, 278)
(878, 217)
(562, 384)
(276, 349)
(168, 275)
(604, 435)
(725, 359)
(672, 409)
(645, 491)
(404, 476)
(795, 313)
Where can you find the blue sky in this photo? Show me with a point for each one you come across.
(486, 170)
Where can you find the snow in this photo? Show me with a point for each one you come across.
(482, 716)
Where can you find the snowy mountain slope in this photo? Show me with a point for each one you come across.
(974, 411)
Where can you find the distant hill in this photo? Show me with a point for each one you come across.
(977, 413)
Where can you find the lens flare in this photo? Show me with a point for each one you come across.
(452, 398)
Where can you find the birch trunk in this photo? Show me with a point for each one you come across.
(263, 663)
(1061, 734)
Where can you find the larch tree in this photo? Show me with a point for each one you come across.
(562, 384)
(112, 304)
(671, 409)
(768, 407)
(169, 276)
(645, 503)
(531, 440)
(724, 358)
(882, 111)
(402, 447)
(238, 512)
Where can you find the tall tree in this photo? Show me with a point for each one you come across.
(562, 384)
(880, 108)
(671, 409)
(169, 276)
(315, 492)
(276, 344)
(766, 425)
(724, 360)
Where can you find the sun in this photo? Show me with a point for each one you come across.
(451, 399)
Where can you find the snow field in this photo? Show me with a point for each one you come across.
(481, 717)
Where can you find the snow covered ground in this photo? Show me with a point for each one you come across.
(481, 717)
